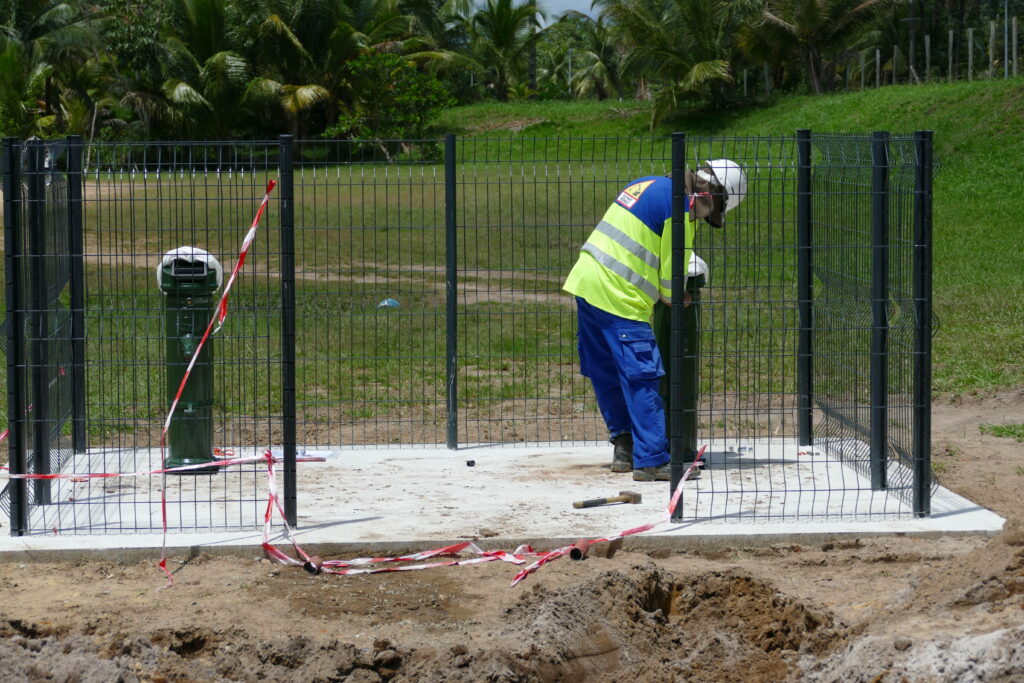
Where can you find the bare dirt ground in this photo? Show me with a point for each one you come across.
(879, 609)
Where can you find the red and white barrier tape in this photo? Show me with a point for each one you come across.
(218, 318)
(223, 462)
(364, 565)
(673, 501)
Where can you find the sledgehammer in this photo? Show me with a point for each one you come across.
(631, 497)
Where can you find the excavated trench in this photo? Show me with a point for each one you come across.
(641, 622)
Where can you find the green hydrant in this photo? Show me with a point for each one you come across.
(189, 277)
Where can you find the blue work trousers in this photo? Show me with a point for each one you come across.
(621, 358)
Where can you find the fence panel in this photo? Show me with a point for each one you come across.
(408, 293)
(139, 201)
(370, 293)
(40, 365)
(866, 323)
(526, 206)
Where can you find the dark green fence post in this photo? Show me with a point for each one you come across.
(805, 291)
(451, 294)
(879, 308)
(17, 399)
(677, 370)
(286, 200)
(922, 437)
(691, 357)
(77, 292)
(39, 415)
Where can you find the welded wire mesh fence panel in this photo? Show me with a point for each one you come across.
(902, 321)
(370, 292)
(525, 206)
(20, 446)
(843, 275)
(428, 309)
(800, 437)
(747, 387)
(50, 337)
(41, 368)
(864, 319)
(139, 202)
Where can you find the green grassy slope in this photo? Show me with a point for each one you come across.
(979, 193)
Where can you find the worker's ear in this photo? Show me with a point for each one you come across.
(702, 199)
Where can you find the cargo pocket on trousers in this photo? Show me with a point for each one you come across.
(641, 359)
(581, 351)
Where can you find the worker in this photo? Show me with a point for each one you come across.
(624, 267)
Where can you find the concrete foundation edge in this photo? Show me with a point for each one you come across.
(652, 545)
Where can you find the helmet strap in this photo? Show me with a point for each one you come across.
(706, 197)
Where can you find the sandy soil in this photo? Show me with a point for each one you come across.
(883, 609)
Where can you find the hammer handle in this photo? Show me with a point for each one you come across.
(594, 502)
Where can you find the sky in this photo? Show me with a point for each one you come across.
(555, 7)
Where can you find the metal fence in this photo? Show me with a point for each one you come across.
(872, 307)
(408, 293)
(40, 228)
(987, 51)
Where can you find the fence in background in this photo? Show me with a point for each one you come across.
(409, 292)
(986, 52)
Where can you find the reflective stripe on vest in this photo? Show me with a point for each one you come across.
(622, 270)
(643, 273)
(634, 247)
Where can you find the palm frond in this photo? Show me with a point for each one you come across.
(298, 98)
(182, 93)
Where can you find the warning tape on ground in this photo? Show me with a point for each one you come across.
(522, 554)
(218, 318)
(85, 476)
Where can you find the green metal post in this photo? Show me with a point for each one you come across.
(672, 319)
(189, 286)
(662, 324)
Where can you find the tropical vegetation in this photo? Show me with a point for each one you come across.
(229, 69)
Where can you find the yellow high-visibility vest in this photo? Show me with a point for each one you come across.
(625, 266)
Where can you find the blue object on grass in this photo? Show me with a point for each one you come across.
(388, 303)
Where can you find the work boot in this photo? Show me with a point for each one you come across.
(622, 456)
(656, 473)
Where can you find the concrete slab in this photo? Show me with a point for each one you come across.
(400, 500)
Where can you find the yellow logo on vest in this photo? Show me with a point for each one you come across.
(631, 194)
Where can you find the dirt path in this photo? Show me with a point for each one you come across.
(884, 609)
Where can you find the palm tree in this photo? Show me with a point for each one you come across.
(97, 107)
(502, 35)
(811, 32)
(18, 82)
(54, 37)
(683, 45)
(440, 23)
(597, 72)
(205, 79)
(299, 50)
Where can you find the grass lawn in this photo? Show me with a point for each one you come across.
(978, 203)
(532, 179)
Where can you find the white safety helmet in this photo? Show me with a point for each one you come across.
(730, 176)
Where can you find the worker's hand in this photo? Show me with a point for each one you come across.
(686, 300)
